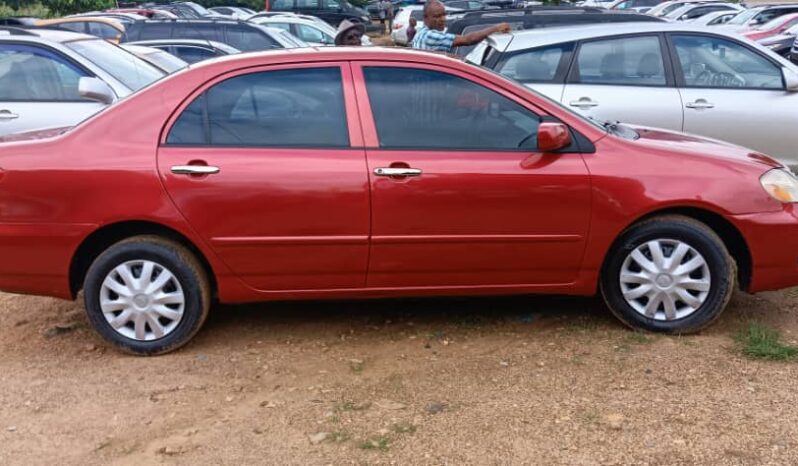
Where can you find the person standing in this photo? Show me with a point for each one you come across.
(389, 15)
(411, 30)
(349, 33)
(433, 36)
(383, 11)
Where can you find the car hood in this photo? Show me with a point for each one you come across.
(691, 144)
(36, 134)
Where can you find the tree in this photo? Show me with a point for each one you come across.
(68, 7)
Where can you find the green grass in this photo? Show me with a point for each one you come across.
(380, 442)
(339, 436)
(760, 342)
(357, 367)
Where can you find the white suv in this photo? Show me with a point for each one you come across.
(52, 78)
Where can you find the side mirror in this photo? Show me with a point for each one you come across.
(553, 137)
(96, 89)
(790, 79)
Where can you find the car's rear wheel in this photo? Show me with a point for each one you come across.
(668, 274)
(147, 295)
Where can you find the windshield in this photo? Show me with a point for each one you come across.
(125, 67)
(743, 17)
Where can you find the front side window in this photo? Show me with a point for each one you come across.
(719, 63)
(424, 109)
(311, 34)
(631, 61)
(74, 27)
(103, 31)
(534, 66)
(286, 108)
(56, 78)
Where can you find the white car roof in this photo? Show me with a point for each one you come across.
(520, 40)
(42, 35)
(284, 19)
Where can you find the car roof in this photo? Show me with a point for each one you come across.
(79, 19)
(42, 35)
(283, 19)
(199, 42)
(519, 40)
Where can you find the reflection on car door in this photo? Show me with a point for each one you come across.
(460, 195)
(733, 93)
(288, 207)
(39, 89)
(624, 79)
(541, 69)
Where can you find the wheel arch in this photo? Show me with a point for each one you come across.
(99, 240)
(730, 235)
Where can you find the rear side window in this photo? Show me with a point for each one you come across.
(286, 108)
(425, 109)
(626, 61)
(153, 31)
(198, 31)
(248, 39)
(74, 27)
(535, 66)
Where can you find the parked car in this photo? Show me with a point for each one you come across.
(634, 5)
(622, 72)
(18, 21)
(373, 9)
(241, 35)
(774, 27)
(123, 18)
(665, 8)
(156, 57)
(380, 199)
(332, 11)
(540, 17)
(190, 50)
(693, 11)
(305, 30)
(104, 28)
(232, 11)
(469, 5)
(51, 78)
(781, 44)
(146, 12)
(757, 16)
(716, 18)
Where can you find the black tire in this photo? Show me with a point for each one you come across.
(180, 262)
(722, 270)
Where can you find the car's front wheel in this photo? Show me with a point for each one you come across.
(668, 274)
(147, 295)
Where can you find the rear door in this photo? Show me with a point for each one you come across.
(39, 89)
(268, 167)
(624, 78)
(734, 93)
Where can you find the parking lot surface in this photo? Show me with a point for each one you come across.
(447, 381)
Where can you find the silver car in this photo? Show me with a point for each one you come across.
(51, 78)
(665, 75)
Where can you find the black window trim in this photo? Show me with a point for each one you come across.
(562, 67)
(573, 71)
(208, 144)
(65, 57)
(679, 73)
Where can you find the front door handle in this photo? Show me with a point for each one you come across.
(584, 102)
(194, 170)
(699, 104)
(8, 115)
(387, 171)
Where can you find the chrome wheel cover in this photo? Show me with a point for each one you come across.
(665, 279)
(142, 300)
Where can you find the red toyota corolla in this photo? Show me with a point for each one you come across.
(343, 173)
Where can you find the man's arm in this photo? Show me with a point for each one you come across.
(478, 36)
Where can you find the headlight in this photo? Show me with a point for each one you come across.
(781, 185)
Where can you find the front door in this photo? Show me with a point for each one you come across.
(263, 166)
(732, 93)
(624, 79)
(460, 195)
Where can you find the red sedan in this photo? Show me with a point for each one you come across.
(343, 173)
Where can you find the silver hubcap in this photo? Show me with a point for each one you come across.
(142, 300)
(665, 279)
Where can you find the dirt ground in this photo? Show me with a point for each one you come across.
(519, 380)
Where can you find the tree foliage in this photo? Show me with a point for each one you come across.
(68, 7)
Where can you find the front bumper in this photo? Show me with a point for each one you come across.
(772, 239)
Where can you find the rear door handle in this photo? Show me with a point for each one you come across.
(699, 104)
(386, 171)
(8, 115)
(194, 170)
(584, 102)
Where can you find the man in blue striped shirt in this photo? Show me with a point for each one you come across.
(433, 37)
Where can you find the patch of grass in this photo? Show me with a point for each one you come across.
(357, 366)
(378, 442)
(403, 428)
(339, 436)
(349, 405)
(583, 323)
(758, 341)
(638, 337)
